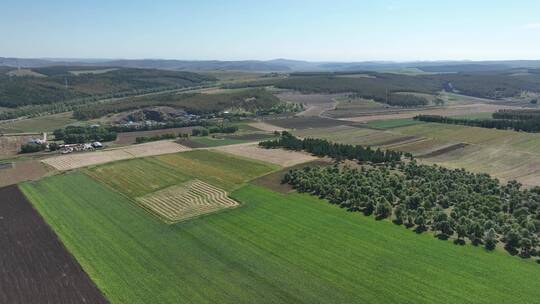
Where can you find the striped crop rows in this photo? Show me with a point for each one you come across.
(186, 201)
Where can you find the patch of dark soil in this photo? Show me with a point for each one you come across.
(36, 267)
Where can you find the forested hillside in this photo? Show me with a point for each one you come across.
(58, 84)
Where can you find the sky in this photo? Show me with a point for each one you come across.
(337, 30)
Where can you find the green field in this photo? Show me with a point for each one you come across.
(216, 142)
(276, 248)
(47, 123)
(138, 177)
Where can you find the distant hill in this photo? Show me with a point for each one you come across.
(277, 65)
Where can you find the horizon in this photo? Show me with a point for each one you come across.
(315, 31)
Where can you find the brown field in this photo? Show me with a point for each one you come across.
(266, 127)
(127, 138)
(315, 104)
(11, 145)
(191, 199)
(22, 171)
(444, 111)
(36, 267)
(306, 122)
(78, 160)
(280, 157)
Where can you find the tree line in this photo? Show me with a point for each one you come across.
(529, 125)
(453, 204)
(322, 148)
(516, 114)
(80, 134)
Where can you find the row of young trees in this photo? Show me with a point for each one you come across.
(529, 125)
(322, 148)
(453, 204)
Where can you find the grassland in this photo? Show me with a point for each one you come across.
(47, 123)
(276, 248)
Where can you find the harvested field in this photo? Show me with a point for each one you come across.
(11, 145)
(36, 267)
(128, 138)
(79, 160)
(454, 110)
(355, 135)
(306, 122)
(275, 156)
(182, 202)
(20, 171)
(266, 127)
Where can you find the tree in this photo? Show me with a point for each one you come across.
(475, 233)
(383, 209)
(461, 231)
(420, 223)
(512, 241)
(399, 214)
(490, 239)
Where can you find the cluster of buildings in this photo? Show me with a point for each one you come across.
(65, 149)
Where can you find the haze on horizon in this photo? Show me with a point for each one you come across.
(241, 30)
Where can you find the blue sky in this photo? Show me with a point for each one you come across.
(234, 29)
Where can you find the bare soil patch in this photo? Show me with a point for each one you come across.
(127, 138)
(280, 157)
(16, 172)
(315, 104)
(78, 160)
(36, 267)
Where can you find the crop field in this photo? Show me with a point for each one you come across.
(266, 127)
(22, 170)
(191, 199)
(79, 160)
(392, 123)
(222, 170)
(139, 177)
(275, 156)
(356, 135)
(11, 145)
(214, 142)
(127, 138)
(36, 267)
(450, 110)
(306, 122)
(276, 248)
(46, 123)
